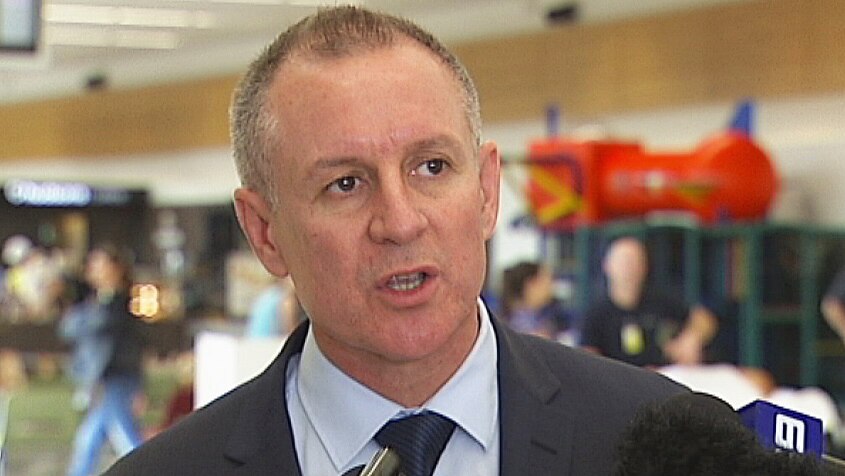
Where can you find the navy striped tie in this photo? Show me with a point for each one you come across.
(419, 439)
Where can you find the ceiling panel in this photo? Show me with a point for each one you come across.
(106, 35)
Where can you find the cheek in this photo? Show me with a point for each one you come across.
(465, 242)
(464, 217)
(321, 266)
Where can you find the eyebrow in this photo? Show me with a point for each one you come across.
(437, 142)
(332, 162)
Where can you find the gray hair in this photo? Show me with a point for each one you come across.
(330, 33)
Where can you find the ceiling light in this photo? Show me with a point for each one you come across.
(134, 39)
(127, 16)
(283, 3)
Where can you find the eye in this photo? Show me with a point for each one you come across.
(344, 184)
(431, 167)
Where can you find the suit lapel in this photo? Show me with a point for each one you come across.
(261, 441)
(536, 428)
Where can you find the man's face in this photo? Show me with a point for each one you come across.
(627, 263)
(384, 204)
(100, 271)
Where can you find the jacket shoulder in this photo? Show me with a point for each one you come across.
(610, 378)
(194, 445)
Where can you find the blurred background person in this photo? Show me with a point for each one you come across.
(106, 362)
(833, 304)
(275, 312)
(181, 401)
(32, 282)
(529, 304)
(15, 250)
(32, 292)
(640, 325)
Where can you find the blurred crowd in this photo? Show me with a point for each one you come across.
(37, 283)
(642, 325)
(86, 297)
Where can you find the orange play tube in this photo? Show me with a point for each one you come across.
(728, 177)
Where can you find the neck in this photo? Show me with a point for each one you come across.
(105, 294)
(409, 383)
(625, 297)
(532, 303)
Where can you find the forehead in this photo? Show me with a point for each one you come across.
(401, 50)
(364, 87)
(98, 258)
(628, 249)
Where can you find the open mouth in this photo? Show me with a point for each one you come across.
(406, 282)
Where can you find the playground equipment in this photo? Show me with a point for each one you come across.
(727, 177)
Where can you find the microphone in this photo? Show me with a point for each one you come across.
(698, 434)
(385, 463)
(833, 465)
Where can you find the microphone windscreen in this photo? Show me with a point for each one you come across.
(698, 434)
(833, 466)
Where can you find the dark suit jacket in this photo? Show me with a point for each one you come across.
(561, 413)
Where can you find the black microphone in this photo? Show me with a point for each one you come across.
(833, 465)
(698, 434)
(385, 463)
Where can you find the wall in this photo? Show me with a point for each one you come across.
(805, 137)
(196, 177)
(768, 50)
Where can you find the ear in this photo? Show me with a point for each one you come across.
(490, 163)
(255, 217)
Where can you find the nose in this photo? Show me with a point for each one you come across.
(396, 216)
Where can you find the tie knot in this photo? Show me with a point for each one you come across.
(419, 439)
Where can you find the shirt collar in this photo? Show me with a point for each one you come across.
(346, 415)
(471, 396)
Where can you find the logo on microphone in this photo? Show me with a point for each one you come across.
(789, 433)
(782, 429)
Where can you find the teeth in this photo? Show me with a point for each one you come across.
(406, 282)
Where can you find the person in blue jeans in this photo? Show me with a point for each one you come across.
(106, 362)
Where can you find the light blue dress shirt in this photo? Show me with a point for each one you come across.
(334, 418)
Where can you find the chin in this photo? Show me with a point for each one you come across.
(417, 345)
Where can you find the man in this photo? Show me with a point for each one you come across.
(642, 326)
(106, 359)
(357, 138)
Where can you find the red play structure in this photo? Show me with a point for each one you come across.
(727, 177)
